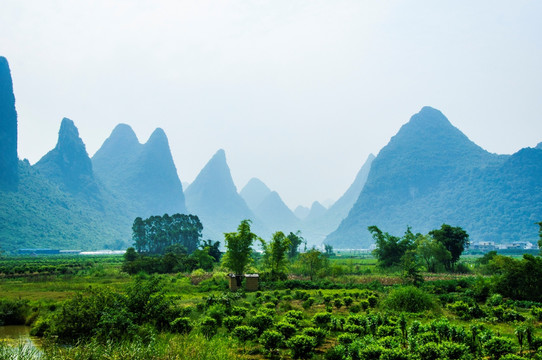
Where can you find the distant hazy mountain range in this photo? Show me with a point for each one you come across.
(430, 173)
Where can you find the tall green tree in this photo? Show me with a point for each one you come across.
(214, 248)
(390, 249)
(454, 239)
(239, 248)
(432, 253)
(295, 240)
(540, 237)
(312, 262)
(275, 255)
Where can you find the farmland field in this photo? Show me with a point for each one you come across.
(357, 311)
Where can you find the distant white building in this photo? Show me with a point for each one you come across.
(483, 246)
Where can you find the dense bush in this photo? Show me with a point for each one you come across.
(271, 340)
(409, 299)
(13, 312)
(498, 346)
(301, 346)
(286, 329)
(181, 325)
(208, 326)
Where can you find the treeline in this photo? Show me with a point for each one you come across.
(156, 233)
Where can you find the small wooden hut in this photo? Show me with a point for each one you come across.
(251, 281)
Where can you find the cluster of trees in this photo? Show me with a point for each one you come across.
(174, 259)
(156, 233)
(439, 250)
(166, 244)
(278, 254)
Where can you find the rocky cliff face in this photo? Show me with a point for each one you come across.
(8, 130)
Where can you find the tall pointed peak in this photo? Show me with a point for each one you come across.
(68, 130)
(158, 136)
(220, 155)
(215, 171)
(429, 117)
(254, 192)
(256, 183)
(68, 163)
(8, 130)
(430, 135)
(125, 133)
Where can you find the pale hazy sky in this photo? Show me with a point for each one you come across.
(298, 93)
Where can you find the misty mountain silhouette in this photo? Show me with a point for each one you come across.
(276, 215)
(143, 175)
(254, 192)
(68, 164)
(430, 173)
(213, 197)
(8, 130)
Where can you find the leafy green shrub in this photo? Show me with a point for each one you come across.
(498, 346)
(271, 340)
(495, 300)
(373, 301)
(261, 322)
(346, 338)
(239, 311)
(317, 333)
(426, 338)
(208, 326)
(301, 346)
(321, 319)
(454, 350)
(505, 314)
(181, 325)
(429, 351)
(512, 357)
(328, 299)
(409, 299)
(394, 354)
(40, 327)
(364, 304)
(216, 312)
(245, 333)
(370, 352)
(537, 313)
(354, 309)
(13, 312)
(461, 309)
(269, 305)
(338, 352)
(338, 303)
(231, 322)
(385, 330)
(348, 301)
(308, 303)
(294, 316)
(286, 329)
(336, 323)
